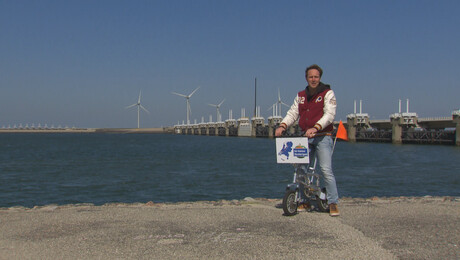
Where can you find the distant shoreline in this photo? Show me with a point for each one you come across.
(163, 130)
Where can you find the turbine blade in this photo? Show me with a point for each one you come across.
(130, 106)
(182, 95)
(139, 100)
(284, 104)
(212, 105)
(144, 109)
(193, 92)
(222, 102)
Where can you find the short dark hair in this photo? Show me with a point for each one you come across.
(316, 67)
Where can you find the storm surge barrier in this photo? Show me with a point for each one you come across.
(401, 128)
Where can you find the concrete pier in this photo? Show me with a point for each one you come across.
(221, 129)
(355, 123)
(196, 129)
(244, 127)
(230, 127)
(212, 129)
(273, 123)
(456, 119)
(203, 129)
(396, 131)
(400, 122)
(351, 129)
(256, 123)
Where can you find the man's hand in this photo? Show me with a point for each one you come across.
(279, 131)
(311, 132)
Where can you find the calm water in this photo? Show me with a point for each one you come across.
(40, 169)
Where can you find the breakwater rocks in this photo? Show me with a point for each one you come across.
(368, 228)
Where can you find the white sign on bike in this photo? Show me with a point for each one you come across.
(292, 150)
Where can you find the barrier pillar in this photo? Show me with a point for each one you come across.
(456, 119)
(352, 124)
(256, 121)
(273, 123)
(396, 129)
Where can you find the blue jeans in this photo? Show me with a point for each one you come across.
(321, 146)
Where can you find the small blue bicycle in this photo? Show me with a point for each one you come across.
(307, 183)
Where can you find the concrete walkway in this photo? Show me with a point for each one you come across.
(391, 228)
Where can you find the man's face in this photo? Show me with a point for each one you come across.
(313, 78)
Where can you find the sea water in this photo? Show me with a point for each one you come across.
(42, 169)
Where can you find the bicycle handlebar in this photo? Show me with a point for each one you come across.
(286, 134)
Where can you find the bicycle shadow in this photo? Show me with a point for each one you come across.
(313, 208)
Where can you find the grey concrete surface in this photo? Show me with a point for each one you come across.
(377, 228)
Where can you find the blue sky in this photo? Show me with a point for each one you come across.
(80, 63)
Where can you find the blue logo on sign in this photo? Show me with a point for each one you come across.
(287, 148)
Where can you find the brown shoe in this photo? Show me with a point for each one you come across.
(303, 207)
(333, 210)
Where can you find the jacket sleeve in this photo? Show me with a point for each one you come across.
(293, 113)
(330, 105)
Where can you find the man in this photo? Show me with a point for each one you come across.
(315, 108)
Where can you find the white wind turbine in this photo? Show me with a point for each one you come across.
(219, 116)
(279, 104)
(189, 110)
(139, 106)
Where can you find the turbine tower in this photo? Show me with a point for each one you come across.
(219, 117)
(274, 107)
(189, 110)
(139, 106)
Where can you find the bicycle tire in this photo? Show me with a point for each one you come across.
(290, 203)
(322, 203)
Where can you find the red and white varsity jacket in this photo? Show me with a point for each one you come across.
(313, 111)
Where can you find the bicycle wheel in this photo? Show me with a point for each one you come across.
(290, 203)
(322, 201)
